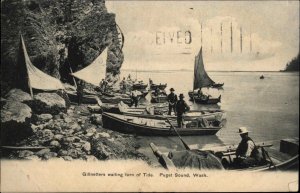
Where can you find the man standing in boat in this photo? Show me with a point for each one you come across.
(135, 94)
(172, 99)
(103, 85)
(79, 91)
(181, 108)
(247, 153)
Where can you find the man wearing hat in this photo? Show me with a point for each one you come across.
(181, 108)
(172, 99)
(247, 153)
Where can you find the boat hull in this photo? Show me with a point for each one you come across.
(86, 99)
(281, 160)
(116, 124)
(200, 100)
(219, 85)
(159, 86)
(139, 86)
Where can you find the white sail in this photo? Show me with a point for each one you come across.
(37, 78)
(94, 72)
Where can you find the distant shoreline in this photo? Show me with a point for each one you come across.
(185, 70)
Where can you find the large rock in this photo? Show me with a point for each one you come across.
(48, 103)
(50, 44)
(17, 95)
(15, 122)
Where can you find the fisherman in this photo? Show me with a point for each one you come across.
(181, 108)
(150, 81)
(247, 153)
(103, 85)
(79, 90)
(123, 85)
(156, 93)
(135, 95)
(129, 77)
(172, 99)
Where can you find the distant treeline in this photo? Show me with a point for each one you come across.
(293, 65)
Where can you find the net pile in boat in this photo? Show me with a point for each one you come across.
(195, 159)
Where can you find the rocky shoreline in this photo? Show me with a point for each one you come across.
(72, 133)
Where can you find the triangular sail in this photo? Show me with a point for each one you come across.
(94, 72)
(201, 78)
(35, 78)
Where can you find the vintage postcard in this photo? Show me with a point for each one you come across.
(149, 95)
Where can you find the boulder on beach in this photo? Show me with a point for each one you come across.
(17, 95)
(48, 103)
(15, 122)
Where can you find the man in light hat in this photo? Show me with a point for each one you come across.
(181, 108)
(247, 153)
(172, 99)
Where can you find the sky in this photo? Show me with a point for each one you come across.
(166, 35)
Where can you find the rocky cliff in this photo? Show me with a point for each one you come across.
(58, 34)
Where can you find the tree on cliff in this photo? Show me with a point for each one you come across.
(293, 65)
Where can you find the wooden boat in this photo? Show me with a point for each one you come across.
(201, 80)
(154, 127)
(203, 99)
(115, 99)
(139, 86)
(277, 156)
(161, 97)
(217, 85)
(158, 86)
(149, 112)
(86, 99)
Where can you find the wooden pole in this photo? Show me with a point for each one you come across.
(72, 73)
(221, 38)
(231, 41)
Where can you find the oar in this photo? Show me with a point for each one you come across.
(267, 154)
(185, 145)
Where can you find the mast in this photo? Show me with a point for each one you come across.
(201, 35)
(211, 46)
(231, 42)
(250, 42)
(241, 39)
(221, 38)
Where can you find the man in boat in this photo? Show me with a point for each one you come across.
(172, 100)
(79, 91)
(123, 85)
(103, 84)
(135, 94)
(181, 108)
(247, 153)
(129, 77)
(150, 81)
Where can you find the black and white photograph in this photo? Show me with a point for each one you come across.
(149, 95)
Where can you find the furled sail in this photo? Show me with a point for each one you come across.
(94, 72)
(35, 78)
(201, 78)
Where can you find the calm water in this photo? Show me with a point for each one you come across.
(268, 107)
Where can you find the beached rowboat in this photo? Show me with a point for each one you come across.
(155, 127)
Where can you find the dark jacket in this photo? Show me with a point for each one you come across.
(172, 98)
(181, 107)
(243, 146)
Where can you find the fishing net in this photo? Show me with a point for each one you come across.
(195, 159)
